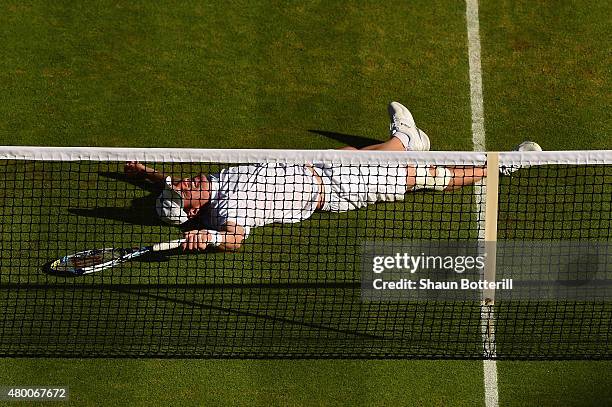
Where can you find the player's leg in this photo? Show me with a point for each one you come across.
(393, 144)
(464, 176)
(440, 178)
(404, 135)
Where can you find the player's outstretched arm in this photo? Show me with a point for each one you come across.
(229, 239)
(136, 169)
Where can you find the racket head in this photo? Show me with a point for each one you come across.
(88, 261)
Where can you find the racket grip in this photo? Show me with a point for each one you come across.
(173, 244)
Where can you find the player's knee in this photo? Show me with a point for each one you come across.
(433, 177)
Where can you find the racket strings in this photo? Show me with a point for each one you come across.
(92, 259)
(86, 261)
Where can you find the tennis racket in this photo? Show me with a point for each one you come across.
(90, 261)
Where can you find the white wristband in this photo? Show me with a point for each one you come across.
(215, 238)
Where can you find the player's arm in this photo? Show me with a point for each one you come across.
(136, 169)
(228, 239)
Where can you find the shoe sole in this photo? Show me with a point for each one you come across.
(424, 138)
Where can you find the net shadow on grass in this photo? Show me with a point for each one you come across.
(245, 313)
(140, 290)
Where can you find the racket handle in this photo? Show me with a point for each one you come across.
(173, 244)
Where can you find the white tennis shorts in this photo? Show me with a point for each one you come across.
(353, 187)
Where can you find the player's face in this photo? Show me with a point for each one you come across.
(196, 193)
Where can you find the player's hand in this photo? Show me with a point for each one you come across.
(196, 240)
(134, 169)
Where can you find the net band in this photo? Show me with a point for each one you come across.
(175, 155)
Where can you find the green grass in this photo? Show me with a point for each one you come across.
(262, 74)
(546, 73)
(554, 383)
(288, 383)
(200, 75)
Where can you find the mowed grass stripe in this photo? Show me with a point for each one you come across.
(231, 382)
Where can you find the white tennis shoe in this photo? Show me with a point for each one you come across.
(403, 127)
(524, 146)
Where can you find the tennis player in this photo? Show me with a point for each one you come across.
(238, 199)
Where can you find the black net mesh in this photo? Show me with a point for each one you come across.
(562, 204)
(293, 288)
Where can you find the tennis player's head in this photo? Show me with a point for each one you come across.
(182, 200)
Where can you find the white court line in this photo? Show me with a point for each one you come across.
(479, 141)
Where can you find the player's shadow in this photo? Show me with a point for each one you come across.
(135, 181)
(348, 139)
(141, 210)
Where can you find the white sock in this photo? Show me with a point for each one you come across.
(403, 137)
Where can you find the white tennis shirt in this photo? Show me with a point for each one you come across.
(256, 195)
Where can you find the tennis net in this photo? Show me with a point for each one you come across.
(302, 282)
